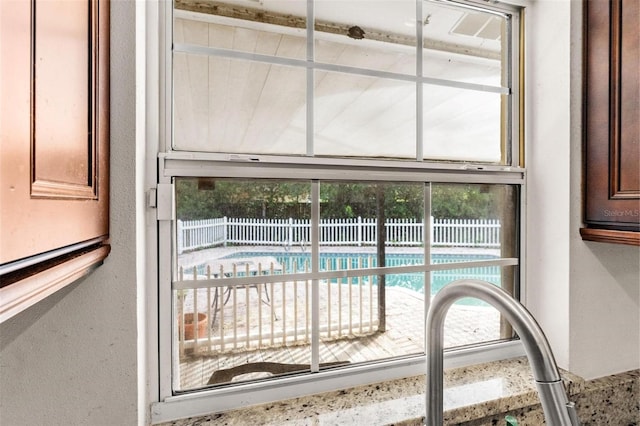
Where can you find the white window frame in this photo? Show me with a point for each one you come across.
(167, 164)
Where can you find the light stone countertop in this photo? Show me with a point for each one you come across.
(470, 393)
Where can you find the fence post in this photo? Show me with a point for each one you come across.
(359, 230)
(224, 231)
(290, 231)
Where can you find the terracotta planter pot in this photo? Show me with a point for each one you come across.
(203, 321)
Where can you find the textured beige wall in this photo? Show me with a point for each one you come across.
(585, 295)
(547, 160)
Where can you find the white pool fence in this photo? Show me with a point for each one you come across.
(198, 234)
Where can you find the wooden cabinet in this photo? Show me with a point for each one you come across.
(612, 121)
(54, 122)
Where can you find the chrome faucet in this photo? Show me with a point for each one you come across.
(558, 411)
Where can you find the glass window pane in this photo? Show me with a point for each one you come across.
(474, 222)
(274, 28)
(236, 106)
(475, 218)
(463, 45)
(470, 321)
(462, 125)
(261, 228)
(191, 32)
(239, 229)
(370, 34)
(358, 116)
(363, 226)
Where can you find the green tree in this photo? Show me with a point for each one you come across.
(203, 198)
(463, 201)
(348, 200)
(192, 203)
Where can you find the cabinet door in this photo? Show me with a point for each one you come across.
(612, 113)
(54, 99)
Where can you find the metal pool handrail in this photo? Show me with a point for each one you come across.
(555, 404)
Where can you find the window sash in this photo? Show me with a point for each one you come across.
(255, 169)
(510, 139)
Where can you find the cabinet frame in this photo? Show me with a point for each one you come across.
(54, 225)
(611, 118)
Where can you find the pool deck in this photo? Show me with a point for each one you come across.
(404, 336)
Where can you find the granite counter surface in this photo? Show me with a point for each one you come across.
(470, 393)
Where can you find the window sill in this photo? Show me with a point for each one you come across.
(472, 392)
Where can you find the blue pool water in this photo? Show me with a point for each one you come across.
(295, 262)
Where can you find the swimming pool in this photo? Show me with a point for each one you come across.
(295, 262)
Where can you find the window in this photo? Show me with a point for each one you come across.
(332, 165)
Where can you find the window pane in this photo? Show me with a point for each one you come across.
(191, 32)
(363, 226)
(236, 106)
(463, 125)
(471, 321)
(274, 28)
(474, 223)
(258, 229)
(353, 33)
(241, 229)
(463, 45)
(358, 116)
